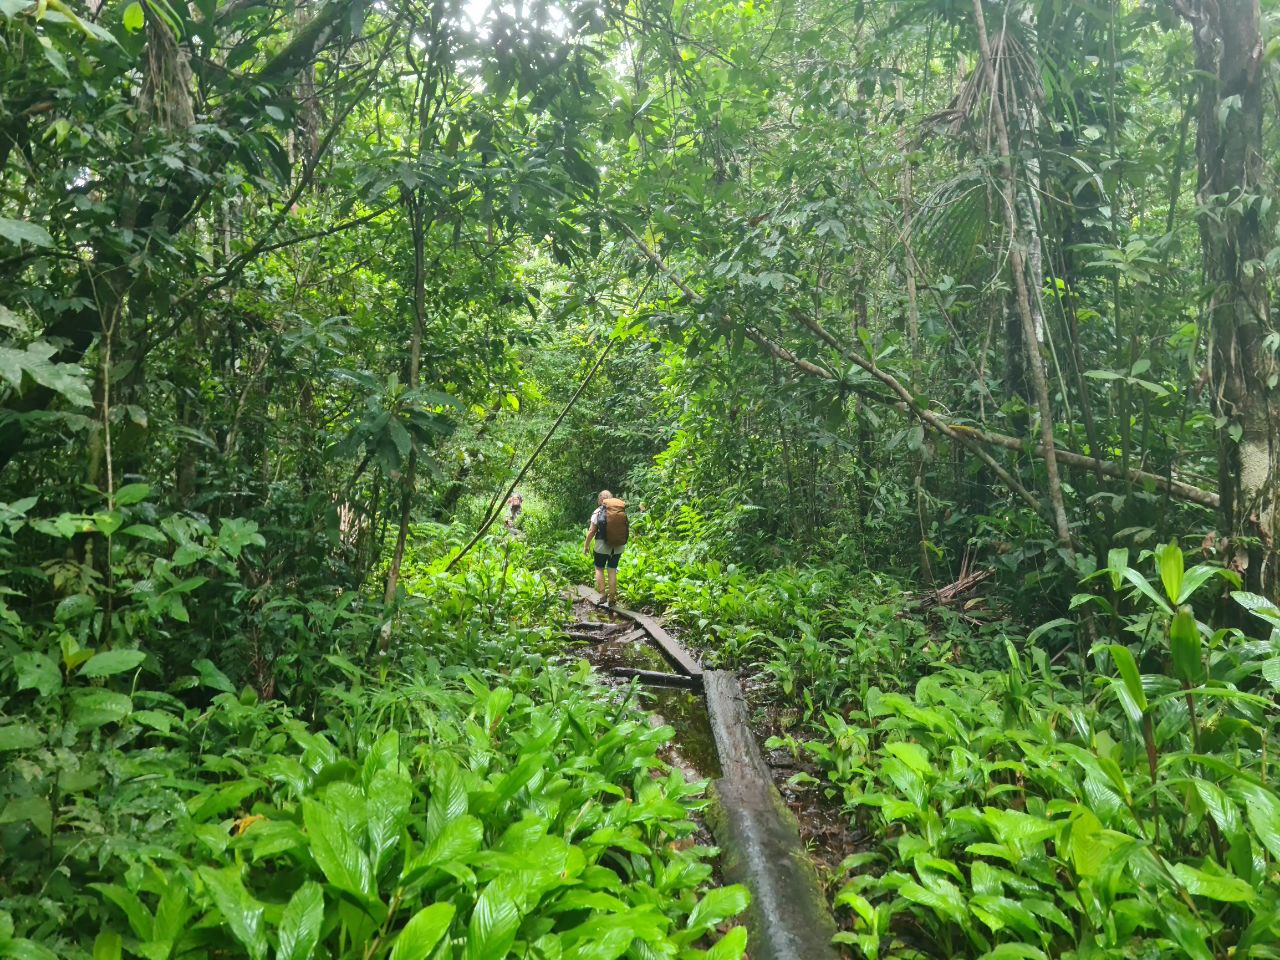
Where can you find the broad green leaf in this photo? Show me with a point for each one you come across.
(494, 920)
(1000, 912)
(19, 736)
(188, 553)
(74, 607)
(389, 798)
(448, 798)
(400, 437)
(716, 906)
(1184, 647)
(23, 949)
(1215, 886)
(383, 755)
(912, 755)
(34, 810)
(242, 912)
(1221, 808)
(133, 19)
(732, 946)
(421, 934)
(139, 917)
(108, 946)
(299, 930)
(91, 708)
(608, 936)
(110, 662)
(1169, 560)
(1145, 588)
(1132, 709)
(495, 707)
(335, 851)
(20, 231)
(218, 799)
(212, 677)
(132, 493)
(172, 914)
(1209, 692)
(1270, 670)
(1117, 560)
(1016, 827)
(460, 838)
(1194, 578)
(1257, 605)
(1129, 676)
(946, 902)
(1263, 809)
(107, 523)
(144, 531)
(1014, 951)
(1044, 628)
(518, 777)
(37, 672)
(36, 362)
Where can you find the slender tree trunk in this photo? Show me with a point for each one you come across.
(908, 260)
(866, 451)
(1243, 369)
(913, 335)
(1023, 296)
(417, 211)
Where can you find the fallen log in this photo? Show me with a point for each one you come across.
(586, 636)
(658, 679)
(635, 633)
(945, 595)
(788, 918)
(593, 625)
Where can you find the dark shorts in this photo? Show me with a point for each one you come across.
(606, 561)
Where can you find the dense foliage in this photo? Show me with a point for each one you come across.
(442, 807)
(853, 303)
(1120, 806)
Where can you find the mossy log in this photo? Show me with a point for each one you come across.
(759, 839)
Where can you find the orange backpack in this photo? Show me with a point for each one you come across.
(614, 530)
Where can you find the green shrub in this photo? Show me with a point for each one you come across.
(446, 818)
(1018, 816)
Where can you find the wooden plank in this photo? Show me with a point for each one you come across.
(788, 918)
(659, 679)
(679, 657)
(635, 633)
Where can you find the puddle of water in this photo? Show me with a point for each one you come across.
(693, 748)
(686, 713)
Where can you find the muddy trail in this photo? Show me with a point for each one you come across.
(782, 841)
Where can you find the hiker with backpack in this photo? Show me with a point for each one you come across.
(514, 503)
(609, 531)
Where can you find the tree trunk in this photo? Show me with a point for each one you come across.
(1243, 368)
(417, 212)
(1028, 313)
(913, 334)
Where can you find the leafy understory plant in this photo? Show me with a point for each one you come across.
(457, 818)
(1019, 816)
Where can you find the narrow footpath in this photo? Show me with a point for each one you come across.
(757, 833)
